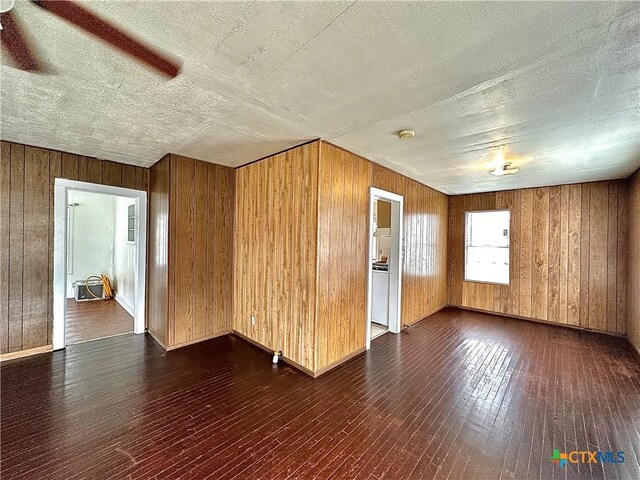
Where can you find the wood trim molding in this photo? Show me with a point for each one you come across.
(157, 340)
(288, 361)
(25, 353)
(197, 340)
(536, 320)
(341, 361)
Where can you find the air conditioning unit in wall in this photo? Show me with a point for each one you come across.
(82, 293)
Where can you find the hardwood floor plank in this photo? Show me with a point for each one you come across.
(462, 395)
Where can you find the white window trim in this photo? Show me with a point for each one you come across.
(465, 246)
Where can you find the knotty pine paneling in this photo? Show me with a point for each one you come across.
(191, 250)
(276, 223)
(632, 252)
(566, 256)
(27, 176)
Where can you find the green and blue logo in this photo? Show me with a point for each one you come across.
(585, 456)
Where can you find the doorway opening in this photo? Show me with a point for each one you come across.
(99, 262)
(385, 264)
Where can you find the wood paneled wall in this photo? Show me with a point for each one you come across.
(27, 176)
(633, 298)
(568, 255)
(301, 255)
(191, 250)
(343, 256)
(424, 280)
(158, 258)
(275, 252)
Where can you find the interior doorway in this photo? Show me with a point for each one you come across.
(384, 286)
(99, 261)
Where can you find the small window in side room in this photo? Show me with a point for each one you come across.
(487, 247)
(131, 232)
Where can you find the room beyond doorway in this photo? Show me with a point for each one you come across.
(385, 269)
(99, 262)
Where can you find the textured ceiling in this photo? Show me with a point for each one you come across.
(556, 85)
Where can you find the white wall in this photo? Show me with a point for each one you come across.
(93, 231)
(124, 257)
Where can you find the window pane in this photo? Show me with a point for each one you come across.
(487, 246)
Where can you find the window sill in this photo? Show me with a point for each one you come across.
(486, 282)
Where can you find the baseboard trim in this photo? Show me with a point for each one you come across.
(426, 316)
(156, 339)
(124, 304)
(197, 340)
(25, 353)
(286, 360)
(537, 320)
(339, 362)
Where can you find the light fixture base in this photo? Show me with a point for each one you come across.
(406, 133)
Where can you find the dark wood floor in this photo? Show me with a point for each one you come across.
(96, 319)
(463, 395)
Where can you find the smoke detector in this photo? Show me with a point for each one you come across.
(406, 133)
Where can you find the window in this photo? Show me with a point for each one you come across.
(487, 247)
(131, 232)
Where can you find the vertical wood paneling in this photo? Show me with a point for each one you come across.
(526, 252)
(540, 264)
(27, 178)
(202, 217)
(111, 173)
(16, 247)
(55, 171)
(626, 213)
(35, 284)
(182, 215)
(275, 252)
(158, 258)
(333, 231)
(219, 254)
(554, 248)
(632, 251)
(425, 274)
(89, 170)
(566, 244)
(128, 176)
(584, 254)
(574, 255)
(598, 210)
(612, 258)
(5, 216)
(343, 271)
(563, 267)
(69, 166)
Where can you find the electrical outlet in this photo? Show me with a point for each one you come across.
(253, 319)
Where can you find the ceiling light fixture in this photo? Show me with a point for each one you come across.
(505, 169)
(406, 133)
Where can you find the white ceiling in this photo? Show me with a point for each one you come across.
(557, 85)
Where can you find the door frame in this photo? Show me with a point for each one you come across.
(395, 261)
(61, 199)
